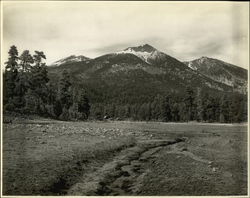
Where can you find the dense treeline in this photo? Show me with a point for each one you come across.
(191, 106)
(27, 89)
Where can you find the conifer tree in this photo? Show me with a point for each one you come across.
(23, 78)
(10, 78)
(224, 109)
(65, 95)
(83, 106)
(166, 110)
(175, 112)
(26, 61)
(189, 102)
(38, 81)
(199, 105)
(12, 63)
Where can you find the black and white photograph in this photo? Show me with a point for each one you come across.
(124, 98)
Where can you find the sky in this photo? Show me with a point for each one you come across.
(184, 30)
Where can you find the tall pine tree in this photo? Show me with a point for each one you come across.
(38, 82)
(83, 106)
(189, 102)
(10, 77)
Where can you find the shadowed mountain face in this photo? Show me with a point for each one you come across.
(222, 72)
(144, 70)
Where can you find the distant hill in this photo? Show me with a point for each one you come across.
(220, 71)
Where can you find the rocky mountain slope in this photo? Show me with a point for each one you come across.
(222, 72)
(145, 71)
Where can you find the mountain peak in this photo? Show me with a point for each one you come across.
(141, 48)
(145, 52)
(204, 57)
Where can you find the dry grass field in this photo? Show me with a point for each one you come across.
(47, 157)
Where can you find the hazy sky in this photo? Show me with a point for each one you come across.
(185, 31)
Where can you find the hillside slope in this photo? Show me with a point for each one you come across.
(222, 72)
(143, 69)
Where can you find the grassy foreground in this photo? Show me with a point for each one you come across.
(46, 157)
(42, 158)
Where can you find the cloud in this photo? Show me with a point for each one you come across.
(183, 30)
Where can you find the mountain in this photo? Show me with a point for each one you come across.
(134, 72)
(220, 71)
(147, 53)
(70, 59)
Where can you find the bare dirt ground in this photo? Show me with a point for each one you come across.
(46, 157)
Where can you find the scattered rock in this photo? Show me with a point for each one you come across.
(214, 169)
(184, 149)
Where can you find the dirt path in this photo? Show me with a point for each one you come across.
(104, 158)
(124, 175)
(158, 167)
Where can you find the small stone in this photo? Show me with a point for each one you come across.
(184, 149)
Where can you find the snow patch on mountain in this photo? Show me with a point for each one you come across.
(70, 59)
(192, 66)
(142, 55)
(145, 52)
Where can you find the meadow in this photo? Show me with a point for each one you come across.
(48, 157)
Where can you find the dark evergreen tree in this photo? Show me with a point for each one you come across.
(12, 63)
(83, 106)
(65, 94)
(199, 105)
(175, 112)
(183, 112)
(166, 109)
(26, 60)
(156, 108)
(57, 108)
(38, 82)
(31, 102)
(210, 109)
(144, 112)
(21, 87)
(224, 109)
(10, 78)
(189, 102)
(236, 109)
